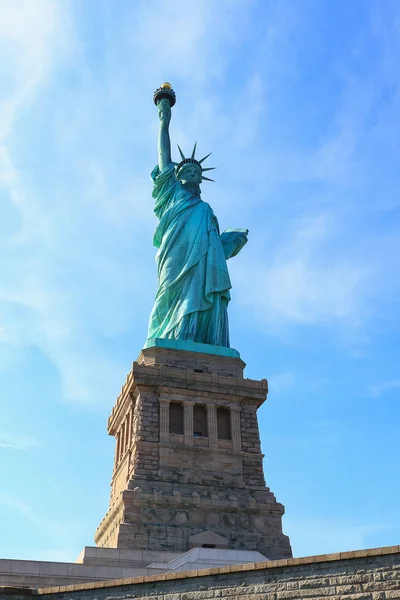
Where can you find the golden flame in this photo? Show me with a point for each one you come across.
(167, 86)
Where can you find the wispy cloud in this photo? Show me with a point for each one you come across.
(306, 281)
(379, 389)
(17, 442)
(29, 36)
(37, 305)
(328, 267)
(25, 511)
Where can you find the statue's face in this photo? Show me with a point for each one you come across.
(190, 174)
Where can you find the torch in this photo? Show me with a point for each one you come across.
(165, 91)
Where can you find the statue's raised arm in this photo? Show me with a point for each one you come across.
(164, 99)
(164, 142)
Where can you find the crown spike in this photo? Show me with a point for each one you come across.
(194, 150)
(209, 169)
(208, 179)
(181, 153)
(203, 159)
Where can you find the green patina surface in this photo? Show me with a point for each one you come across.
(191, 347)
(193, 280)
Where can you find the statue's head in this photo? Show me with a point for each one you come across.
(189, 170)
(190, 174)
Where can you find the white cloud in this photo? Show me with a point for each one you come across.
(302, 282)
(27, 33)
(38, 305)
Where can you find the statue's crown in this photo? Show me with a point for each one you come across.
(192, 160)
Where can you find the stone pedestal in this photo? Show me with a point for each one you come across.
(188, 459)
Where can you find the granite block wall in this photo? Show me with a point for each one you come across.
(363, 575)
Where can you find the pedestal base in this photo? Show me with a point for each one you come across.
(188, 458)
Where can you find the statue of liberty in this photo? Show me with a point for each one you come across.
(193, 280)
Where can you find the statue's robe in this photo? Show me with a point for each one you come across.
(193, 279)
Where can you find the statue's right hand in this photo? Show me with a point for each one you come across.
(164, 111)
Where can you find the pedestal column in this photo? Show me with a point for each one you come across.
(128, 430)
(212, 425)
(118, 453)
(235, 428)
(164, 420)
(188, 423)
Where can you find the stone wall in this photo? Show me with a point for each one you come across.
(363, 575)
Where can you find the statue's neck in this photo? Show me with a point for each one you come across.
(192, 189)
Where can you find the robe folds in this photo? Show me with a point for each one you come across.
(193, 280)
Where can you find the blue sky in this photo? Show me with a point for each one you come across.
(299, 101)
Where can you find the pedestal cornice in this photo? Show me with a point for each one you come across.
(164, 377)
